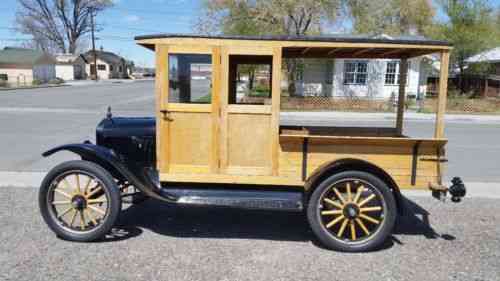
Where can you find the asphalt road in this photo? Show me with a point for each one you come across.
(153, 241)
(32, 121)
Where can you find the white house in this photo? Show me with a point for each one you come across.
(70, 67)
(109, 65)
(19, 66)
(364, 78)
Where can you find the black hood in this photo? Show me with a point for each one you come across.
(119, 127)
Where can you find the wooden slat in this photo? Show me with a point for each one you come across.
(216, 114)
(161, 88)
(190, 49)
(249, 109)
(189, 107)
(275, 118)
(223, 103)
(295, 44)
(403, 70)
(442, 95)
(231, 179)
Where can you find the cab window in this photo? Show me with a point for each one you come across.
(190, 78)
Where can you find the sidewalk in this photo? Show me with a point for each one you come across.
(33, 180)
(382, 116)
(104, 82)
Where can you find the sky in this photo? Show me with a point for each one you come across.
(120, 24)
(125, 20)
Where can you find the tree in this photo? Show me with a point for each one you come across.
(392, 17)
(471, 28)
(58, 24)
(257, 17)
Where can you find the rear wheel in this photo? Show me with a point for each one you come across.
(79, 201)
(352, 211)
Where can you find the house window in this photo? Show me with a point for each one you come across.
(190, 78)
(355, 72)
(110, 67)
(4, 77)
(101, 67)
(392, 73)
(120, 68)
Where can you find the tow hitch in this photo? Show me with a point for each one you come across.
(457, 190)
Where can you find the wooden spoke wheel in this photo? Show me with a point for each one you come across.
(352, 211)
(79, 201)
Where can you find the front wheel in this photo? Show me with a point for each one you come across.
(79, 201)
(352, 211)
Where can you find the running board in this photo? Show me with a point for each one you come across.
(242, 199)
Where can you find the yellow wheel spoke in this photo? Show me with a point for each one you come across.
(342, 228)
(97, 201)
(82, 220)
(97, 210)
(353, 230)
(331, 202)
(65, 212)
(91, 217)
(371, 209)
(98, 188)
(77, 176)
(363, 226)
(358, 194)
(331, 212)
(366, 200)
(61, 202)
(349, 194)
(66, 183)
(368, 218)
(63, 193)
(335, 221)
(73, 218)
(339, 195)
(86, 188)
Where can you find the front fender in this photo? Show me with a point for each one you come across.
(107, 159)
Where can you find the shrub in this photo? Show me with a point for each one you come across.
(36, 82)
(56, 81)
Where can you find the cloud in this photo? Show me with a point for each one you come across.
(133, 18)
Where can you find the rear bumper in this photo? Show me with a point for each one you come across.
(457, 190)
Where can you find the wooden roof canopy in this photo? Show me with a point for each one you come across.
(331, 46)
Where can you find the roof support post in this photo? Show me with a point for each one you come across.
(442, 94)
(403, 71)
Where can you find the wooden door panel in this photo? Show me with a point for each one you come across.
(249, 144)
(189, 142)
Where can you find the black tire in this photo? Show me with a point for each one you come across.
(327, 226)
(105, 191)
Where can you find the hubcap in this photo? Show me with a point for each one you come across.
(351, 210)
(78, 201)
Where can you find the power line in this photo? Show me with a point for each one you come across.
(173, 12)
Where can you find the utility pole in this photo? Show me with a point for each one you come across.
(92, 23)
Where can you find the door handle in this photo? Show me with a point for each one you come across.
(165, 115)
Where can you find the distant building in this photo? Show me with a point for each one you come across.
(70, 67)
(490, 84)
(22, 66)
(109, 65)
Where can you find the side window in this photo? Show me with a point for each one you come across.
(190, 78)
(355, 72)
(101, 67)
(250, 79)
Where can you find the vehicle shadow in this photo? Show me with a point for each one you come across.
(226, 223)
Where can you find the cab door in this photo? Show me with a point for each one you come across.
(249, 125)
(187, 115)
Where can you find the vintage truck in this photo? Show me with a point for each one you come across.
(207, 145)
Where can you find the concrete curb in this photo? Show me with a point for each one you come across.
(34, 87)
(34, 179)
